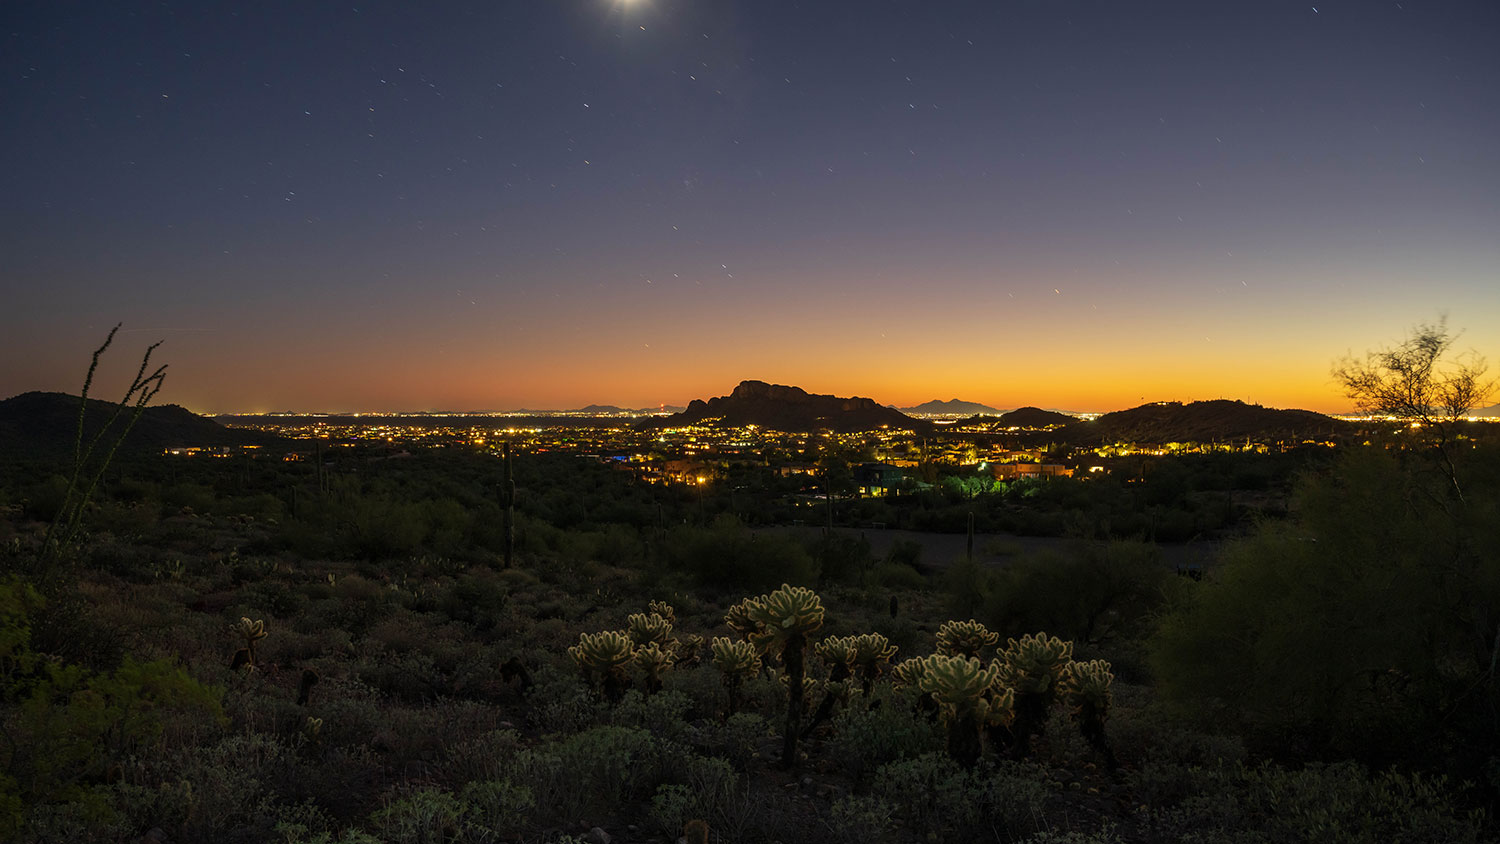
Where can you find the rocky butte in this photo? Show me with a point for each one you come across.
(785, 408)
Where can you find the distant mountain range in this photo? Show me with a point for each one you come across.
(784, 408)
(1201, 421)
(609, 408)
(1035, 417)
(43, 426)
(951, 407)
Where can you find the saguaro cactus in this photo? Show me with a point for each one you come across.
(508, 504)
(787, 617)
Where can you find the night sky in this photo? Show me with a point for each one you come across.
(439, 205)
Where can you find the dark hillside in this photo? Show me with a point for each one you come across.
(42, 426)
(790, 409)
(1202, 421)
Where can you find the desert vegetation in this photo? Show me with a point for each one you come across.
(248, 650)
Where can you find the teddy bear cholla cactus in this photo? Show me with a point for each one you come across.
(663, 609)
(1033, 667)
(969, 698)
(649, 628)
(653, 659)
(964, 638)
(739, 620)
(1087, 689)
(781, 621)
(865, 656)
(603, 658)
(689, 649)
(251, 632)
(738, 660)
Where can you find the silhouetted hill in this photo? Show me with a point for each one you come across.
(1035, 417)
(790, 409)
(610, 408)
(42, 426)
(1202, 421)
(952, 407)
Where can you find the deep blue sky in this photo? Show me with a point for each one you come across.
(465, 205)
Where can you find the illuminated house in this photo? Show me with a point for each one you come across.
(1011, 471)
(878, 478)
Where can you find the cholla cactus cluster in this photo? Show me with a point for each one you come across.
(908, 673)
(739, 620)
(735, 657)
(688, 649)
(782, 621)
(1087, 684)
(1006, 698)
(649, 628)
(958, 684)
(789, 612)
(1034, 664)
(865, 656)
(964, 638)
(646, 643)
(969, 698)
(602, 652)
(653, 659)
(603, 657)
(663, 609)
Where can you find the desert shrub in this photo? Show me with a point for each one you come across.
(592, 771)
(425, 816)
(932, 792)
(482, 756)
(1340, 803)
(729, 554)
(226, 787)
(477, 598)
(708, 787)
(842, 557)
(660, 714)
(1096, 592)
(1351, 630)
(495, 808)
(936, 794)
(894, 575)
(561, 702)
(736, 739)
(867, 735)
(44, 499)
(860, 818)
(69, 725)
(1106, 835)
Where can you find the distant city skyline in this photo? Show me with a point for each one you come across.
(456, 205)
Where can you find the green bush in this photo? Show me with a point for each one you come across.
(425, 816)
(887, 728)
(729, 554)
(1338, 804)
(1352, 630)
